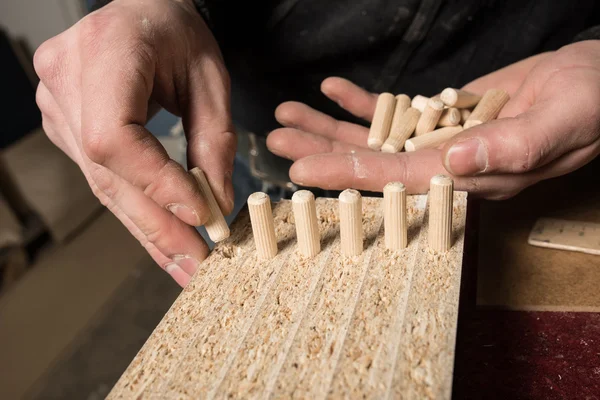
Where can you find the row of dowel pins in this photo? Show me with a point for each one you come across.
(351, 220)
(400, 122)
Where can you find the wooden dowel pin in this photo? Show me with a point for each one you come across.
(394, 211)
(402, 129)
(402, 104)
(432, 139)
(450, 117)
(351, 227)
(430, 117)
(488, 107)
(419, 102)
(459, 98)
(263, 228)
(307, 226)
(464, 115)
(382, 120)
(216, 226)
(441, 196)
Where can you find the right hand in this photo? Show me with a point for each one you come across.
(101, 79)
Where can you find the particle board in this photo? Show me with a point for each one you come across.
(378, 325)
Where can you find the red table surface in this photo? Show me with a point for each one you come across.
(527, 355)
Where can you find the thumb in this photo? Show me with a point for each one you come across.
(207, 121)
(525, 136)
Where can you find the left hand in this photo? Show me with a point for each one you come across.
(550, 127)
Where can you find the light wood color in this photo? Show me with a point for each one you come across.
(379, 325)
(382, 120)
(441, 195)
(419, 102)
(307, 226)
(464, 115)
(568, 235)
(402, 104)
(432, 139)
(351, 224)
(459, 98)
(430, 117)
(394, 216)
(216, 226)
(450, 117)
(263, 230)
(402, 129)
(488, 108)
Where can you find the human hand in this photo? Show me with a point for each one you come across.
(101, 80)
(550, 127)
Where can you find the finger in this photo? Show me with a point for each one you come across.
(302, 117)
(372, 171)
(509, 78)
(150, 223)
(536, 135)
(114, 109)
(293, 144)
(350, 97)
(209, 128)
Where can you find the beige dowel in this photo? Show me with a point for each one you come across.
(382, 120)
(216, 226)
(464, 115)
(432, 139)
(394, 209)
(441, 193)
(430, 117)
(419, 102)
(488, 108)
(351, 229)
(261, 218)
(401, 130)
(402, 104)
(450, 117)
(459, 98)
(307, 226)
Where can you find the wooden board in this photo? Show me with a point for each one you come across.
(377, 325)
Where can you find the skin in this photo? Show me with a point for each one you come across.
(102, 79)
(550, 127)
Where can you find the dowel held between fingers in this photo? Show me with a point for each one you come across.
(263, 228)
(351, 227)
(216, 226)
(382, 120)
(307, 225)
(441, 195)
(394, 209)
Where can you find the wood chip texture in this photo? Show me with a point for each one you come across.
(378, 325)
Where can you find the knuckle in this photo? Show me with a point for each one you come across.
(164, 179)
(96, 146)
(47, 62)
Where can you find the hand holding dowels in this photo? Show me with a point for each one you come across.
(550, 126)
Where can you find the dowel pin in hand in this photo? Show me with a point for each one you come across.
(351, 229)
(216, 226)
(430, 116)
(441, 196)
(263, 227)
(382, 121)
(307, 226)
(394, 211)
(488, 108)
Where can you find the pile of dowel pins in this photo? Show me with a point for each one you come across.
(400, 122)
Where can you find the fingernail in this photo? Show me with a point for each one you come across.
(467, 157)
(178, 274)
(186, 263)
(185, 213)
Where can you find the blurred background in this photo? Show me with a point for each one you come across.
(78, 294)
